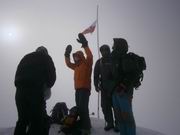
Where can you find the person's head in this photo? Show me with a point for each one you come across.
(120, 45)
(105, 50)
(42, 49)
(78, 57)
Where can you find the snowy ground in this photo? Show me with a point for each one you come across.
(97, 129)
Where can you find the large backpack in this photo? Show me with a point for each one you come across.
(70, 124)
(133, 66)
(59, 112)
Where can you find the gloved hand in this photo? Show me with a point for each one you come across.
(121, 89)
(47, 92)
(82, 40)
(68, 51)
(97, 89)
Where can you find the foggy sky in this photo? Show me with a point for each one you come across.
(150, 27)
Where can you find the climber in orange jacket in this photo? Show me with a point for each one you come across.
(82, 67)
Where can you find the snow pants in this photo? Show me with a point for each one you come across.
(82, 102)
(123, 106)
(107, 108)
(32, 116)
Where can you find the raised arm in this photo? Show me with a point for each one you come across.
(84, 42)
(67, 57)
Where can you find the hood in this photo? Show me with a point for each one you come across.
(80, 55)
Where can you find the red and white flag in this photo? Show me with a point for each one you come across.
(90, 29)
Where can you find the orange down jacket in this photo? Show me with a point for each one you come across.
(83, 70)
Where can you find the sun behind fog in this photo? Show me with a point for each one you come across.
(10, 34)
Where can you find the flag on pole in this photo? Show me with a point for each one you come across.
(90, 29)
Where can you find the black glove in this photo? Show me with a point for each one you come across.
(82, 40)
(68, 51)
(121, 89)
(98, 87)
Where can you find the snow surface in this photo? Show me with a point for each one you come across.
(97, 129)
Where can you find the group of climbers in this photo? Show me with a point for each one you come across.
(116, 74)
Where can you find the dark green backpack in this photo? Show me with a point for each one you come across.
(59, 112)
(133, 66)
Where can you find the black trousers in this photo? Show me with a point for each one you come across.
(32, 115)
(82, 102)
(107, 109)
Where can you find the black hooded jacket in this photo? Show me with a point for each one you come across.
(103, 72)
(35, 69)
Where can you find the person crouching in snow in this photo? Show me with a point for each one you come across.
(82, 80)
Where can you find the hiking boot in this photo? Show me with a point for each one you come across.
(108, 127)
(116, 129)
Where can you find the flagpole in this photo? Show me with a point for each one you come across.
(98, 54)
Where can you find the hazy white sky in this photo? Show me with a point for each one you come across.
(150, 27)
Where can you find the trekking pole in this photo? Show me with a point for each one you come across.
(98, 54)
